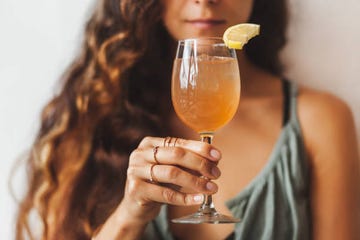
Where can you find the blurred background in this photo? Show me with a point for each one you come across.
(38, 40)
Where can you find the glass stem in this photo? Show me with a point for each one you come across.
(207, 206)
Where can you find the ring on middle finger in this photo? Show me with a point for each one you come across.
(152, 178)
(155, 151)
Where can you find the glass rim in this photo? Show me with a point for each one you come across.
(217, 41)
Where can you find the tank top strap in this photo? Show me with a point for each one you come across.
(294, 90)
(290, 92)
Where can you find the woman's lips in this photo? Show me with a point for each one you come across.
(205, 23)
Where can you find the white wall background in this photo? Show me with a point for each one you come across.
(38, 39)
(324, 48)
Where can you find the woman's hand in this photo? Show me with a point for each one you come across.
(169, 162)
(165, 170)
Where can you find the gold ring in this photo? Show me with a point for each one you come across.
(167, 141)
(174, 144)
(152, 177)
(164, 142)
(155, 150)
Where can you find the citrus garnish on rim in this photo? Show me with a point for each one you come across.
(238, 35)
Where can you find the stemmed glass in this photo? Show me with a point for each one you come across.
(205, 93)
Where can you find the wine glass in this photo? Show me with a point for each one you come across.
(205, 93)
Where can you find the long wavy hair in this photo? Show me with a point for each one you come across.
(77, 169)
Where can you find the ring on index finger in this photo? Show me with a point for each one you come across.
(155, 151)
(174, 144)
(167, 141)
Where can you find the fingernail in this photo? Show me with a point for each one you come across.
(215, 172)
(215, 153)
(211, 186)
(199, 198)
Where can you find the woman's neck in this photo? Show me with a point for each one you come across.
(255, 82)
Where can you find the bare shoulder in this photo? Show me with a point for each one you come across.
(329, 135)
(327, 122)
(318, 107)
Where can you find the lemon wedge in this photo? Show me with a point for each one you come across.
(238, 35)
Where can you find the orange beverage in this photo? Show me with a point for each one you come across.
(205, 91)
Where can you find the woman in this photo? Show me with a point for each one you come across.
(290, 168)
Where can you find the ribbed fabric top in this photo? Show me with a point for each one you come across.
(275, 205)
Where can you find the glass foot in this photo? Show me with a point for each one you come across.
(209, 217)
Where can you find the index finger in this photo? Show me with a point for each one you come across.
(202, 148)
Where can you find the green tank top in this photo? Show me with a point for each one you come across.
(275, 205)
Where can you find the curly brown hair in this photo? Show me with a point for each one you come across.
(77, 169)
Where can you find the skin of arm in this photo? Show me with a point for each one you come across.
(330, 139)
(127, 227)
